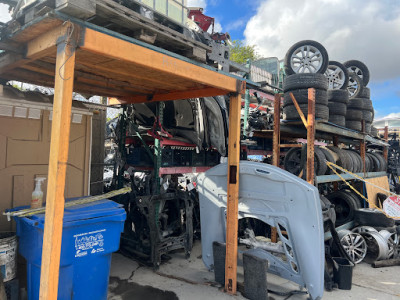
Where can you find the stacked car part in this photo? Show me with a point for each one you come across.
(306, 63)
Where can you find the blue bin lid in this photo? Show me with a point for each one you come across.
(82, 212)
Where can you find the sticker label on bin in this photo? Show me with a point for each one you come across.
(89, 243)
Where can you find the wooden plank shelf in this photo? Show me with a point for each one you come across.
(333, 178)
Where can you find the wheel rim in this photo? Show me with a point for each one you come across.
(336, 77)
(392, 240)
(364, 229)
(353, 86)
(354, 244)
(306, 59)
(357, 71)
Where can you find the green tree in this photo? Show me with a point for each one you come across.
(240, 53)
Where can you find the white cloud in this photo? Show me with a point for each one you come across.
(4, 14)
(367, 30)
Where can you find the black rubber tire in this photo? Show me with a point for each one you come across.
(357, 163)
(368, 127)
(382, 162)
(366, 93)
(337, 108)
(367, 105)
(345, 206)
(375, 162)
(369, 217)
(321, 112)
(354, 162)
(338, 96)
(363, 73)
(337, 64)
(356, 198)
(367, 116)
(305, 81)
(293, 162)
(374, 131)
(319, 162)
(354, 114)
(355, 85)
(343, 160)
(354, 125)
(329, 157)
(351, 163)
(325, 58)
(360, 165)
(337, 119)
(301, 95)
(368, 163)
(356, 103)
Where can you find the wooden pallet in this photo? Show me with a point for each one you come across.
(118, 18)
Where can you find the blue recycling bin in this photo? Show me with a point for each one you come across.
(91, 233)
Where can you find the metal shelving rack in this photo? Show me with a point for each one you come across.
(315, 130)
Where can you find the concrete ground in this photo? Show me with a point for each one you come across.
(181, 278)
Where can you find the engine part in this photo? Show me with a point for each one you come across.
(354, 244)
(156, 225)
(279, 199)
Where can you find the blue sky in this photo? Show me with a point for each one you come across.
(367, 30)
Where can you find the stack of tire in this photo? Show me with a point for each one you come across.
(305, 65)
(295, 161)
(375, 162)
(338, 96)
(360, 106)
(348, 159)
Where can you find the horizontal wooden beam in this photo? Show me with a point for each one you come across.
(175, 95)
(38, 47)
(11, 61)
(47, 42)
(106, 45)
(81, 86)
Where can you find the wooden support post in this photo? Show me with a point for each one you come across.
(362, 153)
(276, 151)
(60, 130)
(233, 194)
(385, 149)
(310, 136)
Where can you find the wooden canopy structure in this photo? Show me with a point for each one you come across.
(55, 50)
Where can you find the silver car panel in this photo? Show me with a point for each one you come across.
(279, 199)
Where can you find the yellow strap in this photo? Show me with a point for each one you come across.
(332, 166)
